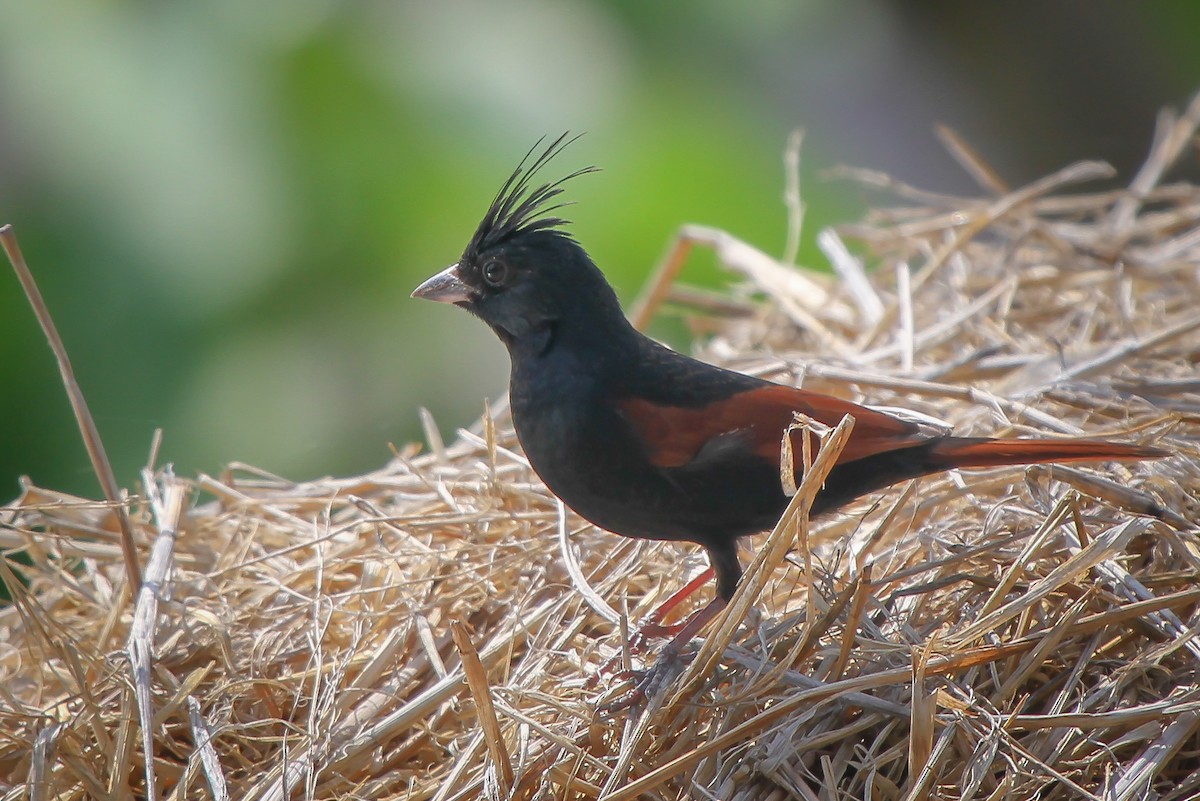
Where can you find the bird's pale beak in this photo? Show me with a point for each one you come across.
(445, 287)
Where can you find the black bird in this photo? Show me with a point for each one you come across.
(648, 443)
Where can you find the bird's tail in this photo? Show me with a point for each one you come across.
(950, 452)
(855, 479)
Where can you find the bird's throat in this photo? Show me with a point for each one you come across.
(530, 342)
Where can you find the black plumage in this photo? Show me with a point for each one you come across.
(649, 443)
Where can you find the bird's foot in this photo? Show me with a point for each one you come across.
(639, 643)
(652, 626)
(681, 634)
(646, 684)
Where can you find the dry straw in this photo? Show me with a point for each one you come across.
(429, 630)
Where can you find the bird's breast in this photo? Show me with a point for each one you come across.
(589, 456)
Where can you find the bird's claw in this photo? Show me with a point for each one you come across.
(645, 684)
(650, 629)
(612, 667)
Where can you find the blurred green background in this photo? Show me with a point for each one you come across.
(227, 203)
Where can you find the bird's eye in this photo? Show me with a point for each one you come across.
(495, 273)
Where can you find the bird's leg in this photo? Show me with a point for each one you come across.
(723, 561)
(652, 625)
(690, 627)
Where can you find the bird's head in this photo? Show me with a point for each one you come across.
(522, 274)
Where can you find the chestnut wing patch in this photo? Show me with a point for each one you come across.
(673, 435)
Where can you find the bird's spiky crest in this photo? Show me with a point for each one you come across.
(517, 208)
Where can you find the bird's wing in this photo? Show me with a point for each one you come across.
(673, 435)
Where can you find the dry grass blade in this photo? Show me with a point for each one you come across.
(1172, 134)
(83, 415)
(578, 580)
(970, 160)
(1017, 634)
(166, 501)
(792, 196)
(850, 270)
(1138, 779)
(481, 691)
(217, 785)
(922, 728)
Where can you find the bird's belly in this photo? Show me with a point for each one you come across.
(605, 478)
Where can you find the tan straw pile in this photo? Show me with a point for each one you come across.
(429, 630)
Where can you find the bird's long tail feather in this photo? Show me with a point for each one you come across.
(951, 452)
(857, 478)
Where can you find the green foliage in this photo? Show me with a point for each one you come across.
(227, 203)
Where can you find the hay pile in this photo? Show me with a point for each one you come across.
(427, 631)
